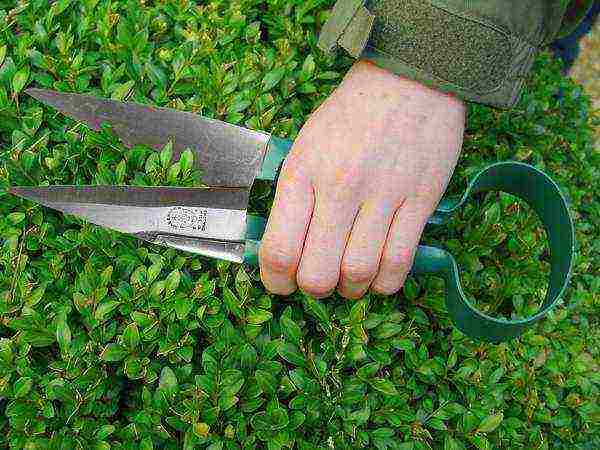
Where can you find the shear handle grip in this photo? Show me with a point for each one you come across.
(543, 195)
(277, 151)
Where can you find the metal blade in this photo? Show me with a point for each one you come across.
(226, 154)
(202, 220)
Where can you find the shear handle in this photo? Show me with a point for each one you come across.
(544, 197)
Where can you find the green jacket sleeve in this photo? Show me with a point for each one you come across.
(481, 50)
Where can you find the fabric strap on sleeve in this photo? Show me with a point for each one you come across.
(449, 45)
(349, 27)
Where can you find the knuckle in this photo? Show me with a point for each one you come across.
(358, 271)
(277, 259)
(317, 285)
(279, 290)
(352, 294)
(385, 288)
(399, 261)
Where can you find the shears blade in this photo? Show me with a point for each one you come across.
(207, 221)
(226, 154)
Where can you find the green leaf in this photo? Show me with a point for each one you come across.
(201, 429)
(256, 316)
(308, 67)
(113, 353)
(6, 351)
(318, 309)
(120, 172)
(106, 275)
(496, 375)
(156, 74)
(411, 289)
(403, 344)
(272, 79)
(232, 383)
(133, 367)
(20, 79)
(490, 423)
(16, 217)
(152, 163)
(248, 356)
(131, 336)
(173, 173)
(387, 330)
(276, 419)
(121, 91)
(328, 75)
(63, 335)
(360, 416)
(186, 160)
(146, 444)
(154, 271)
(157, 289)
(104, 309)
(35, 296)
(209, 364)
(183, 306)
(172, 282)
(168, 381)
(239, 106)
(22, 387)
(2, 54)
(384, 386)
(452, 444)
(232, 303)
(291, 354)
(437, 424)
(104, 431)
(307, 88)
(215, 446)
(368, 371)
(291, 329)
(382, 433)
(227, 401)
(166, 155)
(266, 381)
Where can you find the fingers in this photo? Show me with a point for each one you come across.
(361, 258)
(398, 253)
(281, 248)
(329, 230)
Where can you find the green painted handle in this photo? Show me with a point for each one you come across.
(530, 184)
(276, 152)
(543, 195)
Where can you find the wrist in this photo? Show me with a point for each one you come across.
(378, 81)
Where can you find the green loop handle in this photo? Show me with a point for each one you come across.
(543, 195)
(524, 181)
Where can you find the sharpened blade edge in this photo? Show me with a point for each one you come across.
(225, 250)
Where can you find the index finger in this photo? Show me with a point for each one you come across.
(283, 241)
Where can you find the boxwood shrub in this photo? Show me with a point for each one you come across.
(108, 342)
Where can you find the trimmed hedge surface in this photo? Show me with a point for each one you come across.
(107, 342)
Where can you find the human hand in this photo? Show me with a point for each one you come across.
(363, 176)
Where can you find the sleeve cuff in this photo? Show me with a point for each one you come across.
(450, 50)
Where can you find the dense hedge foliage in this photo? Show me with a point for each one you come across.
(106, 342)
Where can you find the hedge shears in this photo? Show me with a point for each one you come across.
(213, 221)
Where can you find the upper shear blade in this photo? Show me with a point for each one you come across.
(227, 155)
